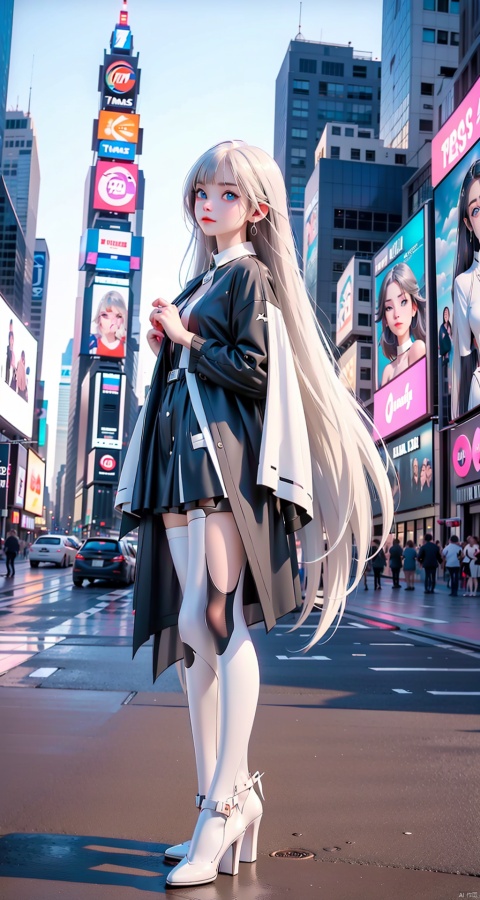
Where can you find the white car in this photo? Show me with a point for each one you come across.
(59, 549)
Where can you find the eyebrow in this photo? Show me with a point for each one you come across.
(473, 202)
(222, 183)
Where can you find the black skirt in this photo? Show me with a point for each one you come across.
(186, 473)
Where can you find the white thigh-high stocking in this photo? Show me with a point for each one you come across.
(238, 678)
(200, 657)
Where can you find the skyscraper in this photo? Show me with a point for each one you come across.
(21, 172)
(62, 423)
(319, 83)
(103, 405)
(6, 22)
(419, 49)
(41, 267)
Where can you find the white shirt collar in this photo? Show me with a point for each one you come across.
(231, 253)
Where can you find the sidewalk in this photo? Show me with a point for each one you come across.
(454, 619)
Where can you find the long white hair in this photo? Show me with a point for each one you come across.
(343, 453)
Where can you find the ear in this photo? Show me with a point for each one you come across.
(467, 223)
(259, 214)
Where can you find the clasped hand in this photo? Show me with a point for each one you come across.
(165, 320)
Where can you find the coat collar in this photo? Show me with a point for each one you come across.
(231, 253)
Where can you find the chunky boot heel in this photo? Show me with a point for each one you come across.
(248, 851)
(230, 860)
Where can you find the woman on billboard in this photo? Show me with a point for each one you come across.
(248, 437)
(466, 298)
(110, 324)
(401, 310)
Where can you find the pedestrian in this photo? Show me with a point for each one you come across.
(395, 560)
(453, 554)
(429, 557)
(409, 563)
(469, 561)
(12, 547)
(379, 562)
(222, 477)
(366, 570)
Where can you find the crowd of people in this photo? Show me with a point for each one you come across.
(458, 561)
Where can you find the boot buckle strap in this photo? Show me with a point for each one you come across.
(199, 798)
(225, 807)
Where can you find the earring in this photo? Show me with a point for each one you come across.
(470, 235)
(253, 229)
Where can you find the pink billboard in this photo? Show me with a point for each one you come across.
(458, 135)
(115, 186)
(402, 401)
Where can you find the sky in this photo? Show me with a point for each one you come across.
(208, 74)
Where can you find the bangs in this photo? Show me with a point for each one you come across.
(212, 169)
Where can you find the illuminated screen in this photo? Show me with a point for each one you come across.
(35, 484)
(18, 361)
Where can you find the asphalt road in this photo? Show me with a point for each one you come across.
(369, 742)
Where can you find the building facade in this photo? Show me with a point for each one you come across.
(351, 207)
(21, 171)
(6, 23)
(420, 41)
(469, 63)
(319, 83)
(41, 268)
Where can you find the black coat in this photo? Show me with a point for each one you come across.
(395, 556)
(11, 544)
(229, 357)
(429, 555)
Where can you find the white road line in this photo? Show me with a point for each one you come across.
(400, 691)
(419, 618)
(304, 658)
(421, 670)
(42, 673)
(388, 644)
(455, 693)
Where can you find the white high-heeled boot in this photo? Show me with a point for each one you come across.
(220, 830)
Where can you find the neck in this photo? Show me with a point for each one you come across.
(226, 241)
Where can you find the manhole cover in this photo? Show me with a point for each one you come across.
(293, 854)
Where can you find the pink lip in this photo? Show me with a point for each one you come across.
(206, 219)
(398, 324)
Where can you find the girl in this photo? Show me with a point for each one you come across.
(409, 561)
(401, 310)
(110, 325)
(466, 298)
(246, 437)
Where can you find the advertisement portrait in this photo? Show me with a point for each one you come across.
(310, 243)
(35, 484)
(401, 316)
(411, 470)
(345, 298)
(108, 328)
(18, 361)
(457, 249)
(115, 186)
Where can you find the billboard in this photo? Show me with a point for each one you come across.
(35, 484)
(116, 150)
(122, 39)
(456, 160)
(345, 302)
(108, 410)
(310, 244)
(18, 362)
(120, 82)
(465, 460)
(107, 334)
(116, 186)
(411, 470)
(103, 466)
(402, 321)
(38, 279)
(118, 126)
(4, 474)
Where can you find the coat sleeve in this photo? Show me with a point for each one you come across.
(241, 365)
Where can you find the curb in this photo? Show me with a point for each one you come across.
(433, 635)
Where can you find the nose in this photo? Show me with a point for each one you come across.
(207, 205)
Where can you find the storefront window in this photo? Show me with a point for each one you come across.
(401, 533)
(420, 531)
(410, 531)
(429, 525)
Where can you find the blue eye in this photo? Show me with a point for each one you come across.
(475, 211)
(200, 193)
(229, 195)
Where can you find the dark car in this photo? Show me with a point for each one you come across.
(105, 559)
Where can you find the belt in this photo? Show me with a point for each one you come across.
(175, 375)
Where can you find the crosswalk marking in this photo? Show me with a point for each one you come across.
(305, 658)
(408, 669)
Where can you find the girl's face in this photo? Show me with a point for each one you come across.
(110, 321)
(415, 468)
(221, 211)
(399, 311)
(472, 219)
(446, 315)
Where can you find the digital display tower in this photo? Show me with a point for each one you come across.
(108, 301)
